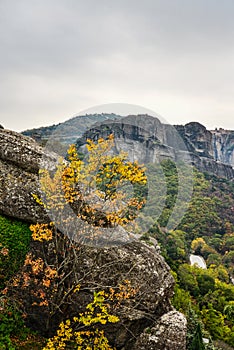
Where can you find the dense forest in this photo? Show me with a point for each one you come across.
(205, 296)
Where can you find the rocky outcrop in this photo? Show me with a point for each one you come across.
(168, 333)
(20, 161)
(149, 276)
(213, 167)
(197, 138)
(223, 145)
(210, 151)
(147, 140)
(142, 137)
(217, 145)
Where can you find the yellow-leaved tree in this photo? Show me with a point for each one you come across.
(101, 191)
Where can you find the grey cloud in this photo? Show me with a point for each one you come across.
(76, 52)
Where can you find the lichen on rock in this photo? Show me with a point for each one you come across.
(168, 333)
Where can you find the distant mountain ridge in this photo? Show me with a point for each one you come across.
(69, 130)
(209, 150)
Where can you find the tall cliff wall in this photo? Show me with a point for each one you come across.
(215, 144)
(210, 151)
(223, 145)
(147, 139)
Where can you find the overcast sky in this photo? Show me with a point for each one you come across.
(59, 57)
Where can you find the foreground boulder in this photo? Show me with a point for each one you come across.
(20, 160)
(168, 333)
(149, 307)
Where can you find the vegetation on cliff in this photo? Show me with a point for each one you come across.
(207, 229)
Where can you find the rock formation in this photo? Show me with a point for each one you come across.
(20, 160)
(216, 144)
(168, 333)
(223, 146)
(147, 139)
(148, 274)
(197, 138)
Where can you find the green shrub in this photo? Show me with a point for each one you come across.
(11, 324)
(14, 244)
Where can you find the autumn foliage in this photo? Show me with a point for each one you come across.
(100, 191)
(103, 189)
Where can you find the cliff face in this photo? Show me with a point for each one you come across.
(147, 140)
(20, 160)
(223, 146)
(197, 139)
(211, 151)
(215, 144)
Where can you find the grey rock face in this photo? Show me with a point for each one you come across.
(197, 138)
(223, 144)
(213, 167)
(16, 189)
(147, 140)
(168, 333)
(20, 160)
(210, 151)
